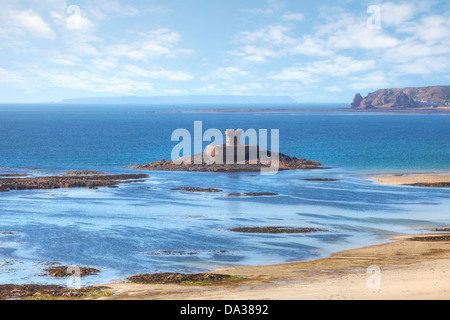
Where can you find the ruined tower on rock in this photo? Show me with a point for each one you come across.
(233, 151)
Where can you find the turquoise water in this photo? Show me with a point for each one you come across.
(124, 231)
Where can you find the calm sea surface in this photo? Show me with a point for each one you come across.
(147, 227)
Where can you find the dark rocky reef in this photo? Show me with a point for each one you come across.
(431, 184)
(444, 238)
(63, 271)
(285, 163)
(49, 292)
(57, 182)
(252, 194)
(196, 189)
(440, 229)
(275, 230)
(320, 180)
(83, 173)
(406, 98)
(178, 278)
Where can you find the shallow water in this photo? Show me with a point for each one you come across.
(123, 231)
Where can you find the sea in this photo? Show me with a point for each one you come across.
(146, 227)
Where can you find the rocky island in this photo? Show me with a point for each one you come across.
(285, 163)
(417, 98)
(232, 157)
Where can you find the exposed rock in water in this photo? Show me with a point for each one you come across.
(320, 180)
(285, 163)
(83, 173)
(196, 189)
(415, 98)
(56, 182)
(62, 271)
(252, 194)
(440, 229)
(431, 184)
(276, 230)
(181, 253)
(177, 278)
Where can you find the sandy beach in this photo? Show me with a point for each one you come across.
(411, 179)
(415, 267)
(408, 267)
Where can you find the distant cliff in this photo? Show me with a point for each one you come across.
(417, 98)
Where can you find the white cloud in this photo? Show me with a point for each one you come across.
(295, 74)
(154, 43)
(274, 42)
(225, 73)
(272, 34)
(32, 23)
(255, 54)
(10, 77)
(425, 66)
(65, 59)
(434, 28)
(89, 81)
(73, 19)
(396, 14)
(372, 80)
(357, 35)
(340, 66)
(293, 16)
(155, 73)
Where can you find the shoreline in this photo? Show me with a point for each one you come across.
(414, 179)
(342, 275)
(406, 267)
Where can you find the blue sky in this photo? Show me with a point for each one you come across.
(313, 51)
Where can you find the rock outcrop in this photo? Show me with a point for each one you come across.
(285, 163)
(57, 182)
(417, 98)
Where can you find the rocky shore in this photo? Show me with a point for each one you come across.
(285, 163)
(68, 181)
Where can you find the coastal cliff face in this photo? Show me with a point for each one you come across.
(424, 97)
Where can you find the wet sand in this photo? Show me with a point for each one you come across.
(415, 179)
(409, 267)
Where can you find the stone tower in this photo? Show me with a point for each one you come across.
(233, 138)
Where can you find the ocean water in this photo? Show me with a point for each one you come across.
(147, 227)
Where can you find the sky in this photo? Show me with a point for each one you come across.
(313, 51)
